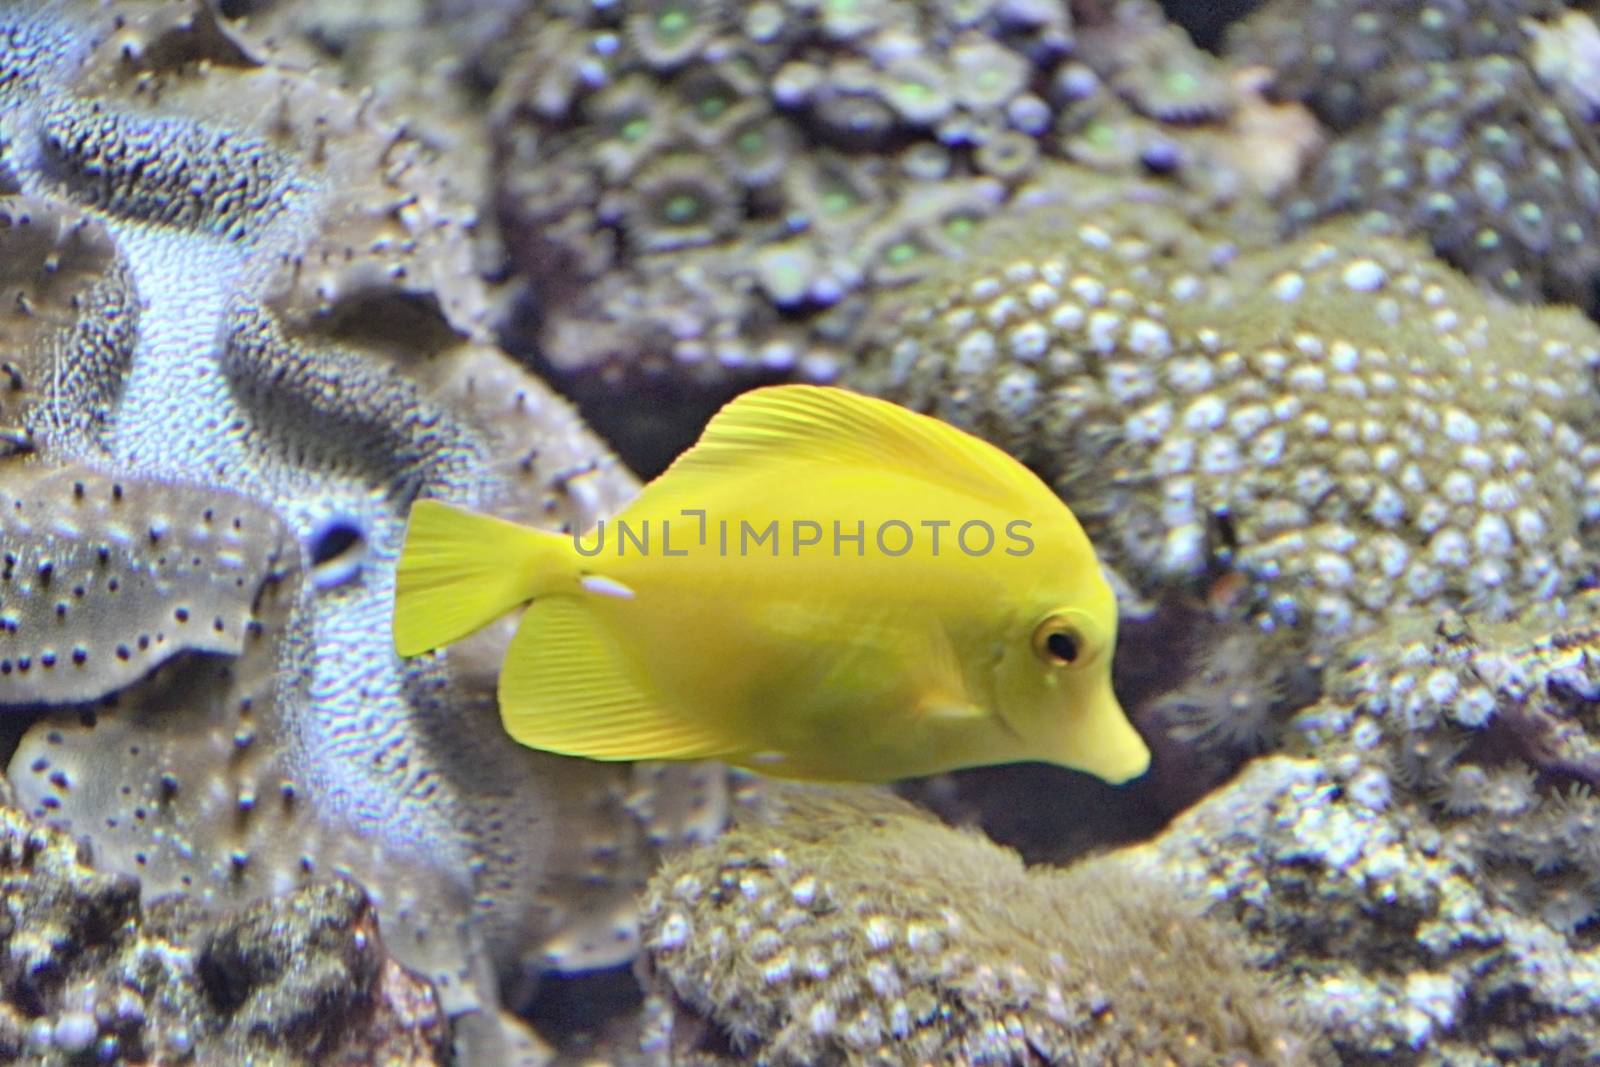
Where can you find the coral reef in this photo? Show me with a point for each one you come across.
(1331, 53)
(1421, 863)
(713, 193)
(242, 332)
(1341, 427)
(93, 975)
(1477, 157)
(784, 942)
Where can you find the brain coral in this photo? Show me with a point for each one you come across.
(715, 191)
(1421, 865)
(787, 937)
(241, 334)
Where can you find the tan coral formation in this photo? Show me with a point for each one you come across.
(238, 291)
(1420, 863)
(854, 928)
(102, 579)
(301, 979)
(70, 291)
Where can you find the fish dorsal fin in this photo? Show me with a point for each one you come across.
(788, 426)
(567, 688)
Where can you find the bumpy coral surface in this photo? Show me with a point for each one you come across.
(1330, 53)
(1497, 173)
(1422, 864)
(854, 928)
(241, 334)
(715, 191)
(1344, 424)
(95, 977)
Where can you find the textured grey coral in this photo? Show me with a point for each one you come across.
(1331, 53)
(714, 191)
(1421, 865)
(235, 292)
(103, 578)
(1492, 169)
(852, 928)
(95, 977)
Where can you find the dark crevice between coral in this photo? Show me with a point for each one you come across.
(574, 1011)
(1207, 20)
(411, 323)
(648, 420)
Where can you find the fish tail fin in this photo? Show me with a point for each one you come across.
(459, 571)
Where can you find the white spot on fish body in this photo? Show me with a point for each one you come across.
(603, 586)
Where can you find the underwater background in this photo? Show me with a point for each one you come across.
(1291, 302)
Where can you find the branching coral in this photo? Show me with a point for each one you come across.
(789, 939)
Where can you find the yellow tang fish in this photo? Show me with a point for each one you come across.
(825, 586)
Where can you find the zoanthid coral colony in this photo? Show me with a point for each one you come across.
(714, 193)
(784, 943)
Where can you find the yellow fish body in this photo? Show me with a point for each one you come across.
(825, 586)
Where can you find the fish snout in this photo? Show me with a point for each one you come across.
(1100, 740)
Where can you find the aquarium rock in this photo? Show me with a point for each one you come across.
(95, 976)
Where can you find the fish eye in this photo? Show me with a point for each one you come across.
(1060, 642)
(1062, 645)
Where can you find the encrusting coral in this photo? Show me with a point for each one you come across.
(93, 976)
(785, 942)
(1481, 157)
(712, 193)
(1420, 863)
(233, 292)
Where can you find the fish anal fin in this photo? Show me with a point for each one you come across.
(567, 688)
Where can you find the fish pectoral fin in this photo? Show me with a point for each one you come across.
(567, 688)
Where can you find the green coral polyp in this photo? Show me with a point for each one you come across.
(902, 253)
(683, 209)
